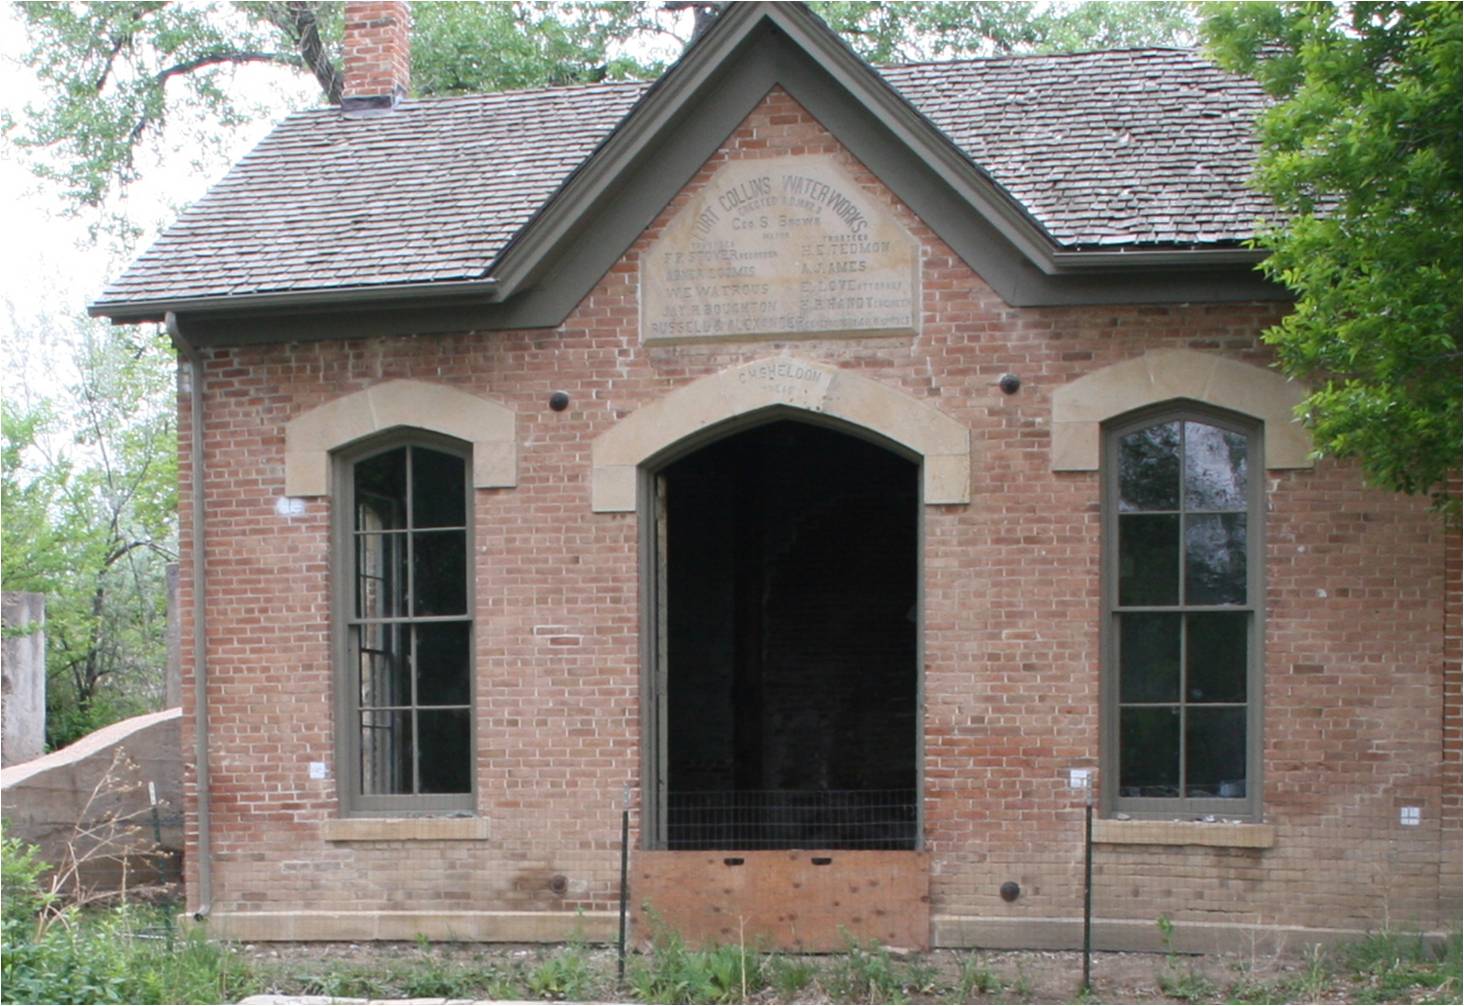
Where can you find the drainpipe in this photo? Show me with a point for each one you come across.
(200, 659)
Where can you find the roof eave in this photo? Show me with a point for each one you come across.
(1131, 257)
(482, 290)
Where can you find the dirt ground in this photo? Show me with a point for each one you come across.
(1017, 976)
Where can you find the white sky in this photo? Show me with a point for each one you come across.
(49, 266)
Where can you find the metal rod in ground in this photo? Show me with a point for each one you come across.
(1088, 893)
(624, 900)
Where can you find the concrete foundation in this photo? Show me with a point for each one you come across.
(48, 798)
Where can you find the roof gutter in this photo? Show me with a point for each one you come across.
(484, 289)
(204, 901)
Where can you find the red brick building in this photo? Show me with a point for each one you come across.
(843, 467)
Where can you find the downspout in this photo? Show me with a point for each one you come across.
(200, 658)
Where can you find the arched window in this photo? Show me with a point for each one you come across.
(1182, 622)
(405, 638)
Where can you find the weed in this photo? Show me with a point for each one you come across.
(674, 973)
(1247, 990)
(976, 979)
(921, 977)
(864, 973)
(1176, 981)
(1392, 967)
(1022, 986)
(789, 976)
(566, 975)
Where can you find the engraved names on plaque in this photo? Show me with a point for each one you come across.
(782, 247)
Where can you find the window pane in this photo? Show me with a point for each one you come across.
(1148, 559)
(1215, 656)
(1148, 469)
(1214, 559)
(438, 489)
(381, 575)
(1148, 751)
(446, 760)
(442, 664)
(1214, 468)
(440, 573)
(386, 752)
(1148, 647)
(1214, 753)
(381, 491)
(382, 663)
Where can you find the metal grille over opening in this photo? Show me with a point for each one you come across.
(786, 686)
(792, 819)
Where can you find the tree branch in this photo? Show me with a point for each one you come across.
(227, 56)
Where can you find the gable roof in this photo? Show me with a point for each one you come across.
(1107, 159)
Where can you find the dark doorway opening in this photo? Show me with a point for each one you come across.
(788, 633)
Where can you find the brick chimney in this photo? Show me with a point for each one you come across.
(378, 48)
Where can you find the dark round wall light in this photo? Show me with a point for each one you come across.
(1011, 891)
(1009, 383)
(559, 401)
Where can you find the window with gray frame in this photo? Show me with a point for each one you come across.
(1182, 622)
(406, 618)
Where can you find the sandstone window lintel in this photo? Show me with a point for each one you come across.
(1080, 407)
(488, 425)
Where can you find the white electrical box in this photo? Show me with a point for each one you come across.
(317, 770)
(1080, 778)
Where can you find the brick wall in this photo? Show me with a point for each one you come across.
(1355, 680)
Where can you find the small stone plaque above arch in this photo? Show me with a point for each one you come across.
(780, 247)
(487, 425)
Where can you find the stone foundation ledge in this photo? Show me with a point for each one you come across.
(1063, 933)
(467, 927)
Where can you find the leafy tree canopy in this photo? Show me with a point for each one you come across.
(88, 485)
(112, 72)
(1361, 152)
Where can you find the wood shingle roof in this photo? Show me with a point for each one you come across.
(1132, 149)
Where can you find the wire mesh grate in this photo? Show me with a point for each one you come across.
(791, 819)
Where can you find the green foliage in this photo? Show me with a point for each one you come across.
(52, 955)
(674, 973)
(913, 32)
(21, 894)
(566, 975)
(1361, 154)
(976, 978)
(112, 71)
(533, 45)
(1394, 967)
(789, 976)
(864, 973)
(88, 484)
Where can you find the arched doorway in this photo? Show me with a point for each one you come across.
(786, 622)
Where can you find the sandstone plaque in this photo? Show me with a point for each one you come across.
(782, 247)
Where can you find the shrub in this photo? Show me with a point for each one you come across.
(54, 954)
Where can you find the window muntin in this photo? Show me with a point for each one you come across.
(407, 623)
(1182, 625)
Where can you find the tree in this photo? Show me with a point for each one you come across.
(88, 488)
(112, 72)
(1361, 154)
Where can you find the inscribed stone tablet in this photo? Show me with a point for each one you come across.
(788, 246)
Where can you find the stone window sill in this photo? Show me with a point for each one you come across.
(403, 829)
(1218, 833)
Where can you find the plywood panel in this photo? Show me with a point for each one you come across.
(794, 900)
